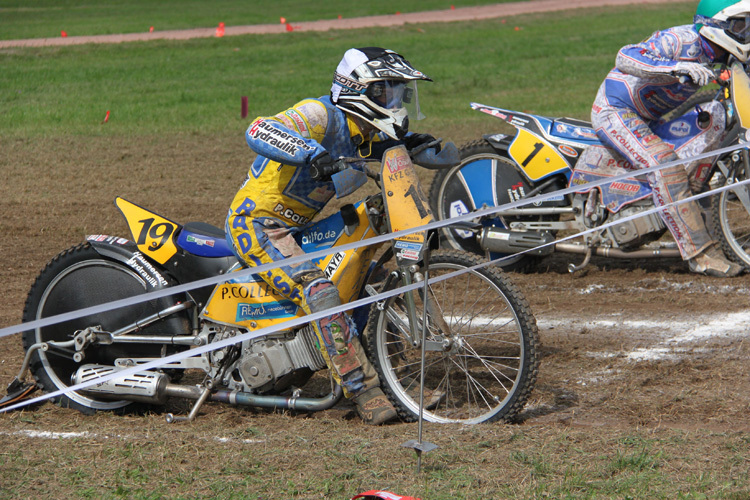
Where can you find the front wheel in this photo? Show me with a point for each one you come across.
(731, 219)
(482, 347)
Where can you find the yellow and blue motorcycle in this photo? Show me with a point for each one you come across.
(469, 328)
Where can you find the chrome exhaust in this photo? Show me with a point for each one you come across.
(500, 240)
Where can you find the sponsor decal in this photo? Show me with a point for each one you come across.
(320, 237)
(350, 84)
(281, 309)
(334, 264)
(299, 122)
(518, 122)
(200, 241)
(408, 254)
(458, 208)
(283, 141)
(254, 290)
(406, 245)
(516, 192)
(582, 132)
(617, 137)
(567, 150)
(624, 188)
(612, 163)
(679, 129)
(145, 270)
(112, 240)
(397, 163)
(650, 138)
(290, 214)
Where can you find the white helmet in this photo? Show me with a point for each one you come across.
(727, 24)
(379, 86)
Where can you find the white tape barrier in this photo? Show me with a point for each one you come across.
(344, 307)
(322, 253)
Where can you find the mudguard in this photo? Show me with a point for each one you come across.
(126, 252)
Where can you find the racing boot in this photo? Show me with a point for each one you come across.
(712, 262)
(373, 407)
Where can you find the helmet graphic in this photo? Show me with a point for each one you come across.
(727, 24)
(379, 86)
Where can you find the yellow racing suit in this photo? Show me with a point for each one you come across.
(277, 198)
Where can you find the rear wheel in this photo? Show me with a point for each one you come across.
(482, 347)
(472, 185)
(78, 278)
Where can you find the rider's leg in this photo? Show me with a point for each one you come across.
(627, 133)
(305, 284)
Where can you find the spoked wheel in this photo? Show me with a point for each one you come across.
(482, 347)
(78, 278)
(732, 219)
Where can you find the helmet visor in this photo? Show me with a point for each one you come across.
(739, 28)
(391, 94)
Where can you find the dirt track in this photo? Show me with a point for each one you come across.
(437, 16)
(631, 349)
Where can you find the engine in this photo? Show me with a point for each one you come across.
(626, 235)
(269, 364)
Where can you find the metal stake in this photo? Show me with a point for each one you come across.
(418, 445)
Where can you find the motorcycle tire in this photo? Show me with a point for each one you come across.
(731, 221)
(75, 279)
(447, 189)
(482, 370)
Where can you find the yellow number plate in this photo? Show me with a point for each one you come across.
(152, 233)
(536, 156)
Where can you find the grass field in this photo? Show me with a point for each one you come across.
(174, 143)
(46, 18)
(552, 64)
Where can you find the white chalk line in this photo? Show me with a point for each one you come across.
(86, 435)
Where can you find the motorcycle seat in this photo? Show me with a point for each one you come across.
(204, 240)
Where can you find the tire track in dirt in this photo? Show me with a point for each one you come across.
(435, 16)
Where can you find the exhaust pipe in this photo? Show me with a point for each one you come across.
(500, 240)
(155, 388)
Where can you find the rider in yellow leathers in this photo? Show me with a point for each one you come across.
(289, 183)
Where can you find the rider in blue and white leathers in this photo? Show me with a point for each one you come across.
(645, 85)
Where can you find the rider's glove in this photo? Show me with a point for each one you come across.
(413, 141)
(322, 167)
(700, 74)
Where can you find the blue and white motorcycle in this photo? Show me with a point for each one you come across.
(542, 157)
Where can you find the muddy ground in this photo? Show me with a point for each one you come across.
(630, 348)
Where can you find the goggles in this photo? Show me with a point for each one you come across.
(737, 27)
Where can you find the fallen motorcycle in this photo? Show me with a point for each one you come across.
(474, 331)
(543, 157)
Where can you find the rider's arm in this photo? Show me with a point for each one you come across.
(291, 137)
(656, 56)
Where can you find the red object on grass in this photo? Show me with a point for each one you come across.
(244, 107)
(63, 34)
(220, 30)
(282, 20)
(106, 117)
(289, 27)
(382, 495)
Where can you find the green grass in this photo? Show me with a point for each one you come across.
(46, 18)
(551, 65)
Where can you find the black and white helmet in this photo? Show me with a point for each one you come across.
(379, 86)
